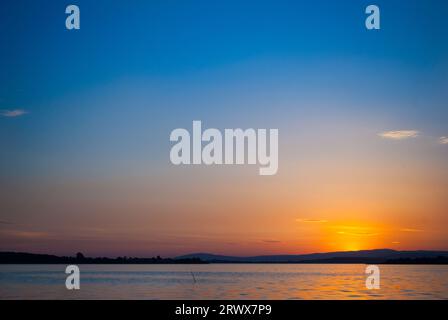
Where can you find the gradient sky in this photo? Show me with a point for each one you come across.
(85, 118)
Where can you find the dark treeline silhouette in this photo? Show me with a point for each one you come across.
(360, 257)
(31, 258)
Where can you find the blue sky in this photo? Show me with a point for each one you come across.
(175, 38)
(179, 51)
(202, 47)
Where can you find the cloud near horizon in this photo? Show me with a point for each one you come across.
(359, 233)
(410, 230)
(311, 220)
(443, 140)
(13, 113)
(21, 234)
(399, 134)
(271, 241)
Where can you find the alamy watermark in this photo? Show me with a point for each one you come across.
(234, 146)
(73, 280)
(73, 20)
(373, 278)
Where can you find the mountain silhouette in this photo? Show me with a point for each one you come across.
(362, 256)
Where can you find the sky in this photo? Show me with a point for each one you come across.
(86, 115)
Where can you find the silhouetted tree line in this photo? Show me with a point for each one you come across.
(79, 258)
(31, 258)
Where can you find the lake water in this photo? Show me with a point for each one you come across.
(224, 281)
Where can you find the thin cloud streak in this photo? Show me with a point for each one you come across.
(361, 234)
(399, 134)
(311, 220)
(443, 140)
(19, 234)
(271, 241)
(13, 113)
(410, 230)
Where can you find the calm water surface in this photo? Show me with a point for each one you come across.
(224, 281)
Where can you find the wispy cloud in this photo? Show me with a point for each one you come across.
(443, 140)
(351, 230)
(24, 234)
(13, 113)
(271, 241)
(359, 233)
(349, 227)
(311, 220)
(410, 230)
(399, 134)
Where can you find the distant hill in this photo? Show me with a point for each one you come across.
(364, 256)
